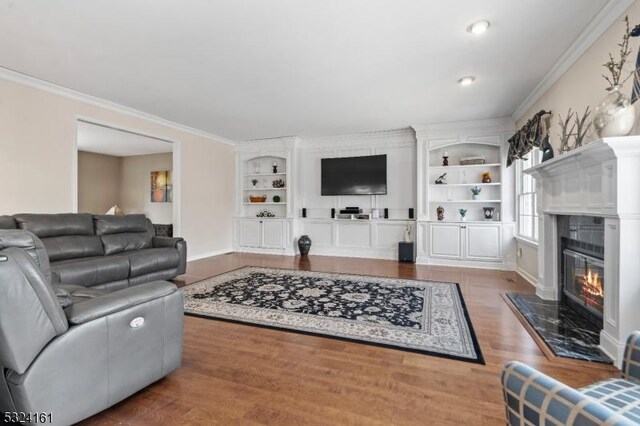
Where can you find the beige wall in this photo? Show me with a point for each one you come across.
(98, 182)
(37, 146)
(135, 186)
(581, 86)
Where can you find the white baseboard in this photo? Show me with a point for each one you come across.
(464, 264)
(611, 347)
(527, 276)
(209, 254)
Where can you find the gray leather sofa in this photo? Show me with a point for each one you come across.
(72, 351)
(104, 252)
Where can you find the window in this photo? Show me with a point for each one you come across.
(526, 196)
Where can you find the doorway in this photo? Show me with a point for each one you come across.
(122, 171)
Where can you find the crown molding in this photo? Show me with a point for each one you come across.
(505, 124)
(592, 32)
(36, 83)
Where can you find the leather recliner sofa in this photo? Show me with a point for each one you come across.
(71, 351)
(102, 251)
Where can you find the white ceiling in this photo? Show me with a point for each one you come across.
(119, 143)
(246, 69)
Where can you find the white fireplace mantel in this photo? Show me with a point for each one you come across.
(599, 179)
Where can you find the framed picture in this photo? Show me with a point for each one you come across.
(162, 186)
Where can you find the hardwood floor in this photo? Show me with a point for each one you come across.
(239, 374)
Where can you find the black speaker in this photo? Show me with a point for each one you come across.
(411, 213)
(406, 252)
(333, 213)
(304, 212)
(386, 213)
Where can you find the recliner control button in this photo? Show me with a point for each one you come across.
(136, 322)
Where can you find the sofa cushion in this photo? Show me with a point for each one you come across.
(91, 271)
(118, 243)
(123, 233)
(7, 222)
(152, 260)
(621, 396)
(110, 224)
(56, 225)
(73, 247)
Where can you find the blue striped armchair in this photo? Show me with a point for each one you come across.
(532, 398)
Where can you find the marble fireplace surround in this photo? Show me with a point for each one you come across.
(599, 179)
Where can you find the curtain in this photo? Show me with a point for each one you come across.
(530, 136)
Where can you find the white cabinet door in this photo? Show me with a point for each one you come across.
(273, 233)
(483, 242)
(250, 233)
(445, 241)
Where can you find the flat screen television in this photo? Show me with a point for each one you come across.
(354, 175)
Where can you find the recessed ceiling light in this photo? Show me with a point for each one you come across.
(466, 81)
(478, 27)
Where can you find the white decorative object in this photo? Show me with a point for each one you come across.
(615, 115)
(407, 234)
(114, 211)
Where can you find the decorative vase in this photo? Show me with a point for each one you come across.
(474, 196)
(407, 234)
(488, 212)
(615, 115)
(463, 218)
(304, 245)
(547, 149)
(440, 212)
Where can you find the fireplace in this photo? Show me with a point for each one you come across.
(582, 265)
(596, 180)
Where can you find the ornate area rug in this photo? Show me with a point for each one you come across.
(422, 316)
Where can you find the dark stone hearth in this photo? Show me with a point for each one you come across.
(567, 333)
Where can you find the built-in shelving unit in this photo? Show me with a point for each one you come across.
(456, 193)
(473, 242)
(260, 168)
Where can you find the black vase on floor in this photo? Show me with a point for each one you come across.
(304, 244)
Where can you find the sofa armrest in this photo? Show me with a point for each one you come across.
(166, 242)
(532, 397)
(631, 360)
(82, 312)
(178, 243)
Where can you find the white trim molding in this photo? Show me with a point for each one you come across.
(601, 23)
(210, 254)
(527, 276)
(66, 92)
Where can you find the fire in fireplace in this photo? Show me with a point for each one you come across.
(582, 260)
(583, 284)
(592, 289)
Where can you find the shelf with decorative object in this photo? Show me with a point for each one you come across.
(265, 174)
(445, 185)
(256, 189)
(464, 201)
(468, 166)
(264, 203)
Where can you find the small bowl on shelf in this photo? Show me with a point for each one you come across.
(258, 199)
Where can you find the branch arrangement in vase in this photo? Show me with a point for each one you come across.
(615, 114)
(614, 67)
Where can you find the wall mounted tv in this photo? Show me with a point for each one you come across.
(354, 175)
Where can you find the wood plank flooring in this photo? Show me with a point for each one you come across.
(239, 374)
